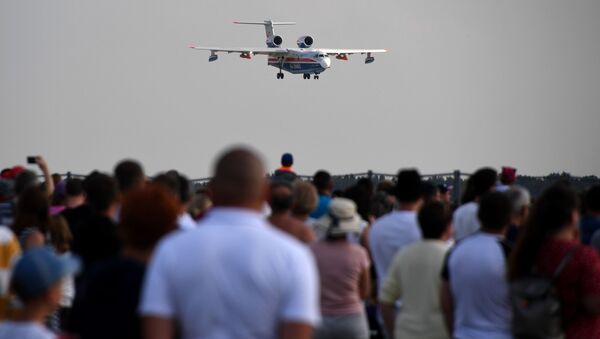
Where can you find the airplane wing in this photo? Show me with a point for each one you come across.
(247, 51)
(350, 51)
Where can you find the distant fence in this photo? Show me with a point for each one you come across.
(456, 179)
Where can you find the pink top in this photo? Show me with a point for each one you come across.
(340, 265)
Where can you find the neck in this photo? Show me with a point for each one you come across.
(142, 256)
(300, 216)
(408, 206)
(567, 234)
(34, 312)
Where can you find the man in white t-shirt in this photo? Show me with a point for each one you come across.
(465, 221)
(475, 297)
(399, 228)
(234, 276)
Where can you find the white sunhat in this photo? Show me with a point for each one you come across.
(341, 218)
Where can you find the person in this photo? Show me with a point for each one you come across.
(285, 172)
(394, 231)
(445, 193)
(474, 294)
(552, 232)
(304, 200)
(281, 201)
(179, 185)
(414, 277)
(110, 294)
(74, 196)
(234, 276)
(129, 175)
(508, 176)
(520, 199)
(201, 203)
(37, 282)
(10, 251)
(465, 221)
(362, 194)
(430, 192)
(384, 200)
(344, 274)
(590, 222)
(324, 184)
(95, 235)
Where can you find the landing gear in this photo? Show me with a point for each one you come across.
(305, 76)
(316, 77)
(280, 75)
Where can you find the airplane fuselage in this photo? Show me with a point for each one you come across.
(302, 61)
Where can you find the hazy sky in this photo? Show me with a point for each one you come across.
(466, 83)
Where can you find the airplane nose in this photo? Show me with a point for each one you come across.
(325, 62)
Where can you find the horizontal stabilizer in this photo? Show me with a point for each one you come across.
(263, 23)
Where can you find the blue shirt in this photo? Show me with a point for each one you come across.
(588, 225)
(322, 206)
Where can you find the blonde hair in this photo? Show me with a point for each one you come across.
(305, 197)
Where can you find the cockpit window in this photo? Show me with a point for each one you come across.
(321, 55)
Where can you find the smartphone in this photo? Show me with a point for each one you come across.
(32, 160)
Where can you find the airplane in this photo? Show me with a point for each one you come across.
(302, 60)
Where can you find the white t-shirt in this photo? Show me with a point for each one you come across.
(388, 235)
(476, 270)
(186, 222)
(24, 330)
(234, 276)
(465, 221)
(414, 276)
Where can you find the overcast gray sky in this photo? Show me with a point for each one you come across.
(466, 83)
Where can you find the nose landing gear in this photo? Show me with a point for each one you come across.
(280, 75)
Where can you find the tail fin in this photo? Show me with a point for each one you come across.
(270, 32)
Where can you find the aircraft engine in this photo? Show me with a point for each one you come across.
(305, 41)
(275, 41)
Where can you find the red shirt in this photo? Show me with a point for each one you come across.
(579, 279)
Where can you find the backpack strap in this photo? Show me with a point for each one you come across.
(563, 263)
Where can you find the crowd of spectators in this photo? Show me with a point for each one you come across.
(253, 255)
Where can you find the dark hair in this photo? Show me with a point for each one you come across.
(428, 191)
(176, 183)
(408, 186)
(147, 214)
(479, 184)
(287, 159)
(552, 211)
(322, 180)
(25, 180)
(101, 190)
(494, 211)
(74, 187)
(434, 218)
(592, 199)
(362, 194)
(33, 210)
(128, 173)
(281, 201)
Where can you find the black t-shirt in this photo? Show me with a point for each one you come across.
(106, 304)
(94, 239)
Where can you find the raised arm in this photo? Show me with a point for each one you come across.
(49, 183)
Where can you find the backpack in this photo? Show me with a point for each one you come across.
(536, 306)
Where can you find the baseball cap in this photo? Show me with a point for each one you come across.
(38, 269)
(287, 159)
(341, 218)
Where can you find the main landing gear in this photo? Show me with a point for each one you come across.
(307, 76)
(280, 75)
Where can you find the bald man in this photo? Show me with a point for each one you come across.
(234, 276)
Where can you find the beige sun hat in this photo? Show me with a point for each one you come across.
(341, 218)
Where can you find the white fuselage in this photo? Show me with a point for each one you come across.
(302, 61)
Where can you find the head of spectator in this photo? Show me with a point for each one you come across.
(201, 202)
(56, 178)
(129, 175)
(323, 182)
(59, 195)
(305, 199)
(33, 210)
(147, 214)
(37, 281)
(281, 198)
(480, 183)
(555, 213)
(362, 194)
(101, 193)
(408, 189)
(429, 192)
(520, 200)
(6, 192)
(592, 201)
(177, 184)
(24, 180)
(239, 180)
(61, 238)
(435, 220)
(287, 160)
(445, 193)
(6, 173)
(494, 212)
(342, 219)
(382, 204)
(508, 175)
(74, 195)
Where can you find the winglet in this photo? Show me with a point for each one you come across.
(191, 46)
